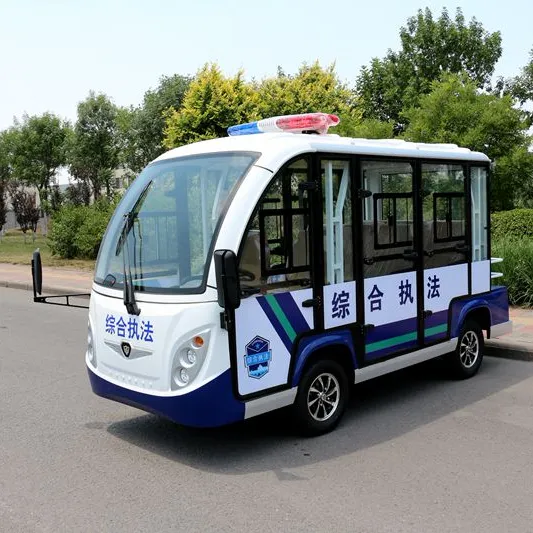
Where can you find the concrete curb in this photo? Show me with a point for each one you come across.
(508, 350)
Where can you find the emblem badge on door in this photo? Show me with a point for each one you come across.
(258, 357)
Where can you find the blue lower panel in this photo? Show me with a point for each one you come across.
(436, 326)
(211, 405)
(390, 338)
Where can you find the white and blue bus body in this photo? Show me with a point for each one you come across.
(249, 273)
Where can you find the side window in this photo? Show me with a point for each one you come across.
(337, 219)
(275, 254)
(444, 214)
(388, 217)
(478, 182)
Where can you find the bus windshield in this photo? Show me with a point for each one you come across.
(174, 209)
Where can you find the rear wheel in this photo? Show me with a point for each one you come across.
(321, 399)
(468, 355)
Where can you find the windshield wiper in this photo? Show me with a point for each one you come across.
(129, 221)
(129, 290)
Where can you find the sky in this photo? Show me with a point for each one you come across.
(53, 52)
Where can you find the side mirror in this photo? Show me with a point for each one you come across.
(227, 276)
(37, 273)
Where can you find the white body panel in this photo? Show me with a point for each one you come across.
(149, 367)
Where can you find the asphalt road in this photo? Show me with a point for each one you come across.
(415, 452)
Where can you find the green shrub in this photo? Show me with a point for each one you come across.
(91, 232)
(65, 225)
(517, 268)
(513, 224)
(77, 231)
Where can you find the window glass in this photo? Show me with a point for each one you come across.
(444, 214)
(388, 218)
(337, 221)
(478, 180)
(175, 207)
(276, 248)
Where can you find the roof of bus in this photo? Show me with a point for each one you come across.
(275, 146)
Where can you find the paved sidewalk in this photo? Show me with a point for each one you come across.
(55, 280)
(517, 345)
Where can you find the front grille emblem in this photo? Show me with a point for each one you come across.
(126, 349)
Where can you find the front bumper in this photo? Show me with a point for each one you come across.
(208, 406)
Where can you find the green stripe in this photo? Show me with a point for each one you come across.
(393, 341)
(401, 339)
(281, 316)
(443, 328)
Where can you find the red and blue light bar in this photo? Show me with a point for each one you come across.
(315, 122)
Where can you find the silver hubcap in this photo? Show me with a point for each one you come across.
(469, 349)
(323, 396)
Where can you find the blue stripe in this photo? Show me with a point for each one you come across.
(436, 319)
(292, 311)
(280, 330)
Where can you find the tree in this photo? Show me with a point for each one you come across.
(521, 87)
(429, 48)
(25, 207)
(39, 151)
(6, 171)
(142, 128)
(94, 144)
(312, 89)
(7, 138)
(56, 198)
(3, 206)
(212, 104)
(456, 112)
(78, 194)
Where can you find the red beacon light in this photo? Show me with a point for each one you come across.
(307, 122)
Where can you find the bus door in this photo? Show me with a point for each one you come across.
(446, 249)
(278, 301)
(390, 259)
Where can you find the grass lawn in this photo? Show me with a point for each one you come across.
(14, 250)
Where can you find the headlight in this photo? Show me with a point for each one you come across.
(188, 360)
(191, 357)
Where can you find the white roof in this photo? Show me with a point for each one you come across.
(276, 146)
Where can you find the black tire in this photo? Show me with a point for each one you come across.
(324, 385)
(468, 356)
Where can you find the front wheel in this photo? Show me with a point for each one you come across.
(468, 355)
(321, 399)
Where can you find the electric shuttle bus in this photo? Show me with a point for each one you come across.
(280, 265)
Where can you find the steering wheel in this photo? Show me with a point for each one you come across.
(246, 275)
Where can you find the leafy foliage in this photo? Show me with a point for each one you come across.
(212, 104)
(513, 224)
(455, 112)
(312, 89)
(39, 151)
(77, 230)
(94, 145)
(430, 47)
(521, 87)
(78, 194)
(517, 268)
(3, 204)
(141, 128)
(25, 207)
